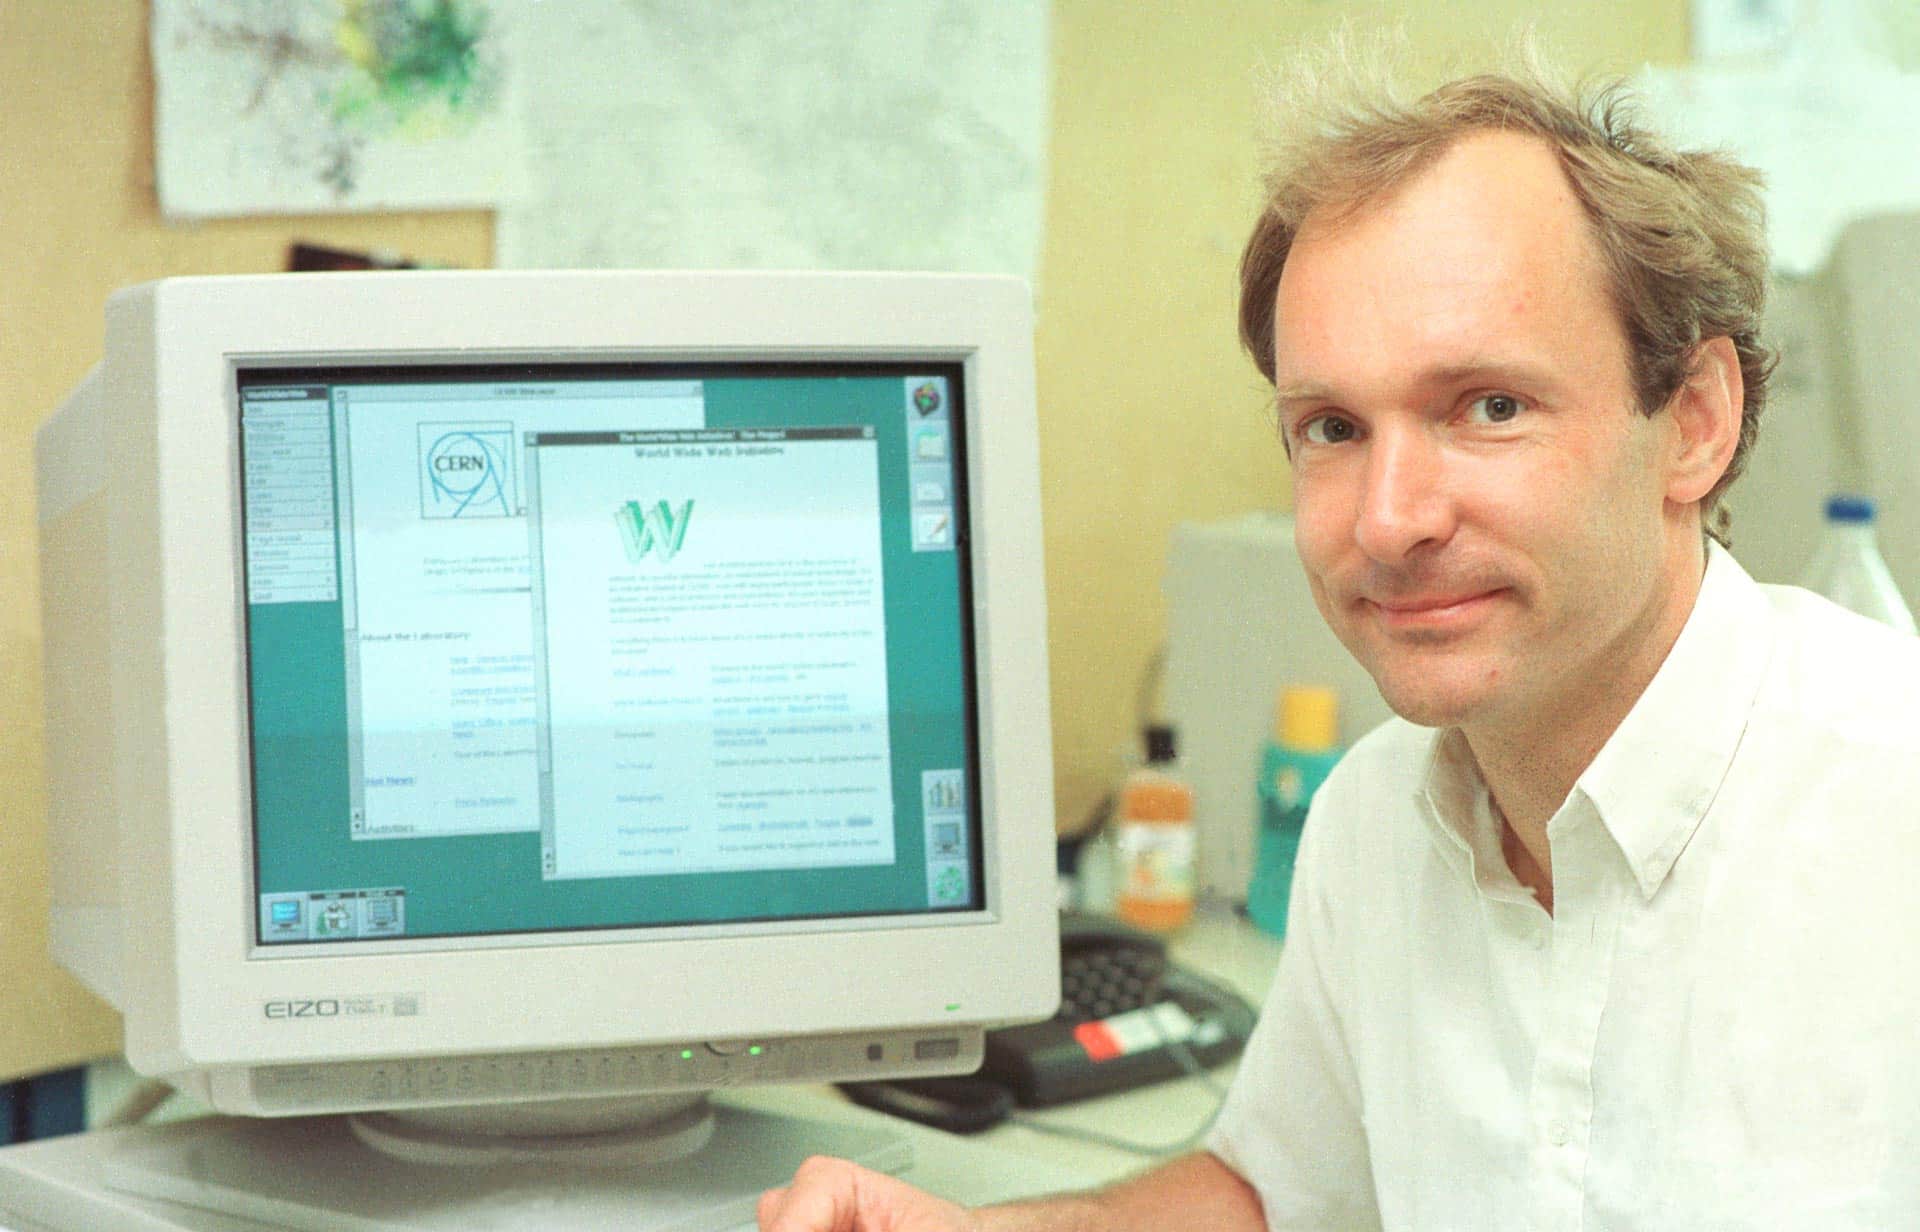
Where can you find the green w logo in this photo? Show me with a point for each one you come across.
(659, 530)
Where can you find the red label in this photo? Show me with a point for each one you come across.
(1097, 1040)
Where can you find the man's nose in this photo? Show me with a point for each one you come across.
(1405, 503)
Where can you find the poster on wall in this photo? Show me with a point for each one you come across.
(836, 134)
(831, 134)
(301, 106)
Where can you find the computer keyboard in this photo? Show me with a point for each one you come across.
(1097, 982)
(1128, 1016)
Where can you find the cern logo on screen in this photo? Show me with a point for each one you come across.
(466, 471)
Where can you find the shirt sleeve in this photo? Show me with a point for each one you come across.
(1291, 1124)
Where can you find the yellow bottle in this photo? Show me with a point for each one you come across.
(1154, 841)
(1297, 760)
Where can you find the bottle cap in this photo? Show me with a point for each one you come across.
(1308, 718)
(1845, 508)
(1161, 745)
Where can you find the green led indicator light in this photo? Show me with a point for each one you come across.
(954, 1008)
(755, 1051)
(686, 1054)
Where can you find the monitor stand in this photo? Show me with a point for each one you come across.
(325, 1174)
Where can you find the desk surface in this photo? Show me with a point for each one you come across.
(1017, 1160)
(1011, 1161)
(1221, 945)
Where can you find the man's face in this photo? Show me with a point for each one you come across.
(1479, 506)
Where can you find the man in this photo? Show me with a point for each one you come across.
(1608, 931)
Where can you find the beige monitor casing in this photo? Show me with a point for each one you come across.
(153, 901)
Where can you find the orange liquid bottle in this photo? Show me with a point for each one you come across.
(1154, 841)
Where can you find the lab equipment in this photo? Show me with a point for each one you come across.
(1241, 618)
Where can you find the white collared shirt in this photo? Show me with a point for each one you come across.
(1719, 1025)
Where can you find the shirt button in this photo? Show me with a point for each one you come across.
(1557, 1133)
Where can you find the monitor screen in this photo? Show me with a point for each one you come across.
(566, 648)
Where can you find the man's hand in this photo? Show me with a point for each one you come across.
(1197, 1191)
(832, 1195)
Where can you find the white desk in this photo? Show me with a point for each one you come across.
(1008, 1162)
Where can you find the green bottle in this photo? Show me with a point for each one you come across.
(1295, 762)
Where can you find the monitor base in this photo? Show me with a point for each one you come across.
(610, 1133)
(316, 1175)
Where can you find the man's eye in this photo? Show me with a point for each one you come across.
(1495, 408)
(1327, 430)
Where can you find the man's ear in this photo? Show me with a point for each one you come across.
(1706, 412)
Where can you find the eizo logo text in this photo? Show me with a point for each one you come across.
(657, 530)
(325, 1007)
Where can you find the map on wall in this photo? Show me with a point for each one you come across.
(831, 134)
(296, 106)
(635, 133)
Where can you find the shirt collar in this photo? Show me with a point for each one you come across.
(1654, 779)
(1453, 798)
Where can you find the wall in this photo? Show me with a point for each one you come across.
(1149, 413)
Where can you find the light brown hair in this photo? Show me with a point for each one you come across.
(1681, 234)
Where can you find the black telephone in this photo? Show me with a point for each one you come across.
(1126, 1013)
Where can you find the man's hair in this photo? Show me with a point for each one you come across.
(1681, 235)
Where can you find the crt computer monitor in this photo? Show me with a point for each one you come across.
(506, 699)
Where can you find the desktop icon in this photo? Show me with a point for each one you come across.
(336, 919)
(943, 791)
(283, 917)
(381, 916)
(926, 398)
(950, 885)
(933, 529)
(930, 445)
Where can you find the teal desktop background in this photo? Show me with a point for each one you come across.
(491, 883)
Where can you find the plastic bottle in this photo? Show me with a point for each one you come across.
(1154, 841)
(1849, 569)
(1094, 873)
(1302, 752)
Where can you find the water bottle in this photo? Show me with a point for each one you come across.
(1849, 569)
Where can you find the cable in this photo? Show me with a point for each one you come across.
(1196, 1072)
(1150, 1150)
(139, 1104)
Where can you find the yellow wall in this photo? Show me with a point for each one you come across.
(1149, 413)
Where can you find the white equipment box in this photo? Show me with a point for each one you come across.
(1241, 623)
